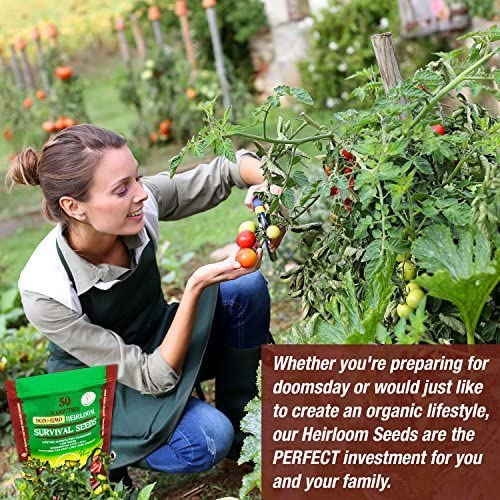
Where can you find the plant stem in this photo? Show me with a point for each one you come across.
(459, 78)
(307, 207)
(458, 167)
(309, 120)
(470, 338)
(296, 142)
(381, 197)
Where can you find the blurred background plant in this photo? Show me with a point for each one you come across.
(341, 46)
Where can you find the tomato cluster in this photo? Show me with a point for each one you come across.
(415, 294)
(334, 190)
(164, 132)
(60, 124)
(246, 256)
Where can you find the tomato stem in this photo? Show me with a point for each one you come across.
(457, 80)
(296, 142)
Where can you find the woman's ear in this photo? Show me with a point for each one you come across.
(72, 208)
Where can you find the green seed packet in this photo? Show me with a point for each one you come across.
(64, 417)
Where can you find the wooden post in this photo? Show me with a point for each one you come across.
(122, 40)
(387, 62)
(209, 6)
(18, 79)
(181, 11)
(27, 71)
(139, 39)
(154, 17)
(386, 59)
(35, 34)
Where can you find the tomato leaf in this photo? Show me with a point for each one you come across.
(457, 269)
(174, 164)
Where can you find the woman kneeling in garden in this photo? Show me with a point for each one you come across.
(92, 287)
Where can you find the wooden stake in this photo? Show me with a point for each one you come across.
(387, 62)
(182, 12)
(41, 63)
(386, 59)
(209, 6)
(122, 40)
(18, 79)
(154, 17)
(27, 71)
(140, 44)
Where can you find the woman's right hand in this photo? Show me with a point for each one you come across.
(218, 272)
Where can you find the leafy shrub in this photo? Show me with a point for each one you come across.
(237, 21)
(41, 481)
(24, 352)
(341, 46)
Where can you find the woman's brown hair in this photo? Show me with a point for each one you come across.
(65, 166)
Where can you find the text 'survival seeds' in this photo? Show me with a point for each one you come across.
(63, 417)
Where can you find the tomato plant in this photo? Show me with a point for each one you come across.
(427, 202)
(412, 190)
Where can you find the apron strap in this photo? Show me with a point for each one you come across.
(65, 265)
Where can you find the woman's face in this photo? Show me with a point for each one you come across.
(116, 197)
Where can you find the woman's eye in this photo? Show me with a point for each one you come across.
(138, 178)
(122, 193)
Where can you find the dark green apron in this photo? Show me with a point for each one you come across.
(136, 310)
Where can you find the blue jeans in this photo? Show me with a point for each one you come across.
(204, 435)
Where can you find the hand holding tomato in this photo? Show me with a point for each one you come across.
(225, 270)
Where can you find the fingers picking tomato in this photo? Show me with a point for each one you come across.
(246, 257)
(246, 239)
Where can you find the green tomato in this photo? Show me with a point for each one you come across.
(409, 270)
(402, 258)
(415, 297)
(250, 225)
(273, 232)
(404, 311)
(412, 286)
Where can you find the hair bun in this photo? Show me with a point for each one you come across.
(25, 168)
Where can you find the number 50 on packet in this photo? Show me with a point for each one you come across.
(62, 417)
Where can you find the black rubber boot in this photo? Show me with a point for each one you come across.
(235, 386)
(121, 474)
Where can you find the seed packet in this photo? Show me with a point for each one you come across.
(63, 418)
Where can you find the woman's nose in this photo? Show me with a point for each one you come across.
(140, 194)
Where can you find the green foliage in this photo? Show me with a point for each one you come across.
(480, 8)
(165, 91)
(390, 178)
(23, 354)
(237, 21)
(41, 481)
(341, 46)
(457, 269)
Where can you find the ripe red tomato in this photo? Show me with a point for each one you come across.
(64, 72)
(246, 257)
(439, 129)
(246, 239)
(28, 102)
(347, 171)
(327, 171)
(351, 183)
(347, 204)
(334, 191)
(348, 156)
